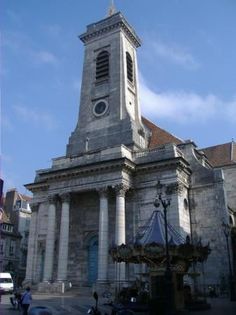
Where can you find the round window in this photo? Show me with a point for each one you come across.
(100, 108)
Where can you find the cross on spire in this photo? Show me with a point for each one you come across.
(111, 9)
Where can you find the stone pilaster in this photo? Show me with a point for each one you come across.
(120, 214)
(64, 238)
(50, 240)
(31, 243)
(103, 237)
(120, 227)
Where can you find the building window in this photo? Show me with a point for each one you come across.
(129, 64)
(7, 228)
(24, 204)
(1, 246)
(12, 248)
(100, 108)
(185, 204)
(18, 205)
(102, 65)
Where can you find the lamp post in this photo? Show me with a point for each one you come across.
(165, 202)
(226, 230)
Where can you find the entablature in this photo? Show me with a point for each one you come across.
(114, 22)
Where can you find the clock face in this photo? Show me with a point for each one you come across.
(100, 108)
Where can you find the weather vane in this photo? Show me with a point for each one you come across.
(111, 9)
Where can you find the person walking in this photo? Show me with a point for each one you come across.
(26, 300)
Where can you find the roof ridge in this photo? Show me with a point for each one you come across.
(218, 145)
(159, 135)
(163, 129)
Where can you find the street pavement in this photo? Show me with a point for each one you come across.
(78, 305)
(59, 305)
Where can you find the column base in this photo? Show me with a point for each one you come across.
(45, 287)
(61, 286)
(55, 287)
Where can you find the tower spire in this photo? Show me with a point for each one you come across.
(112, 9)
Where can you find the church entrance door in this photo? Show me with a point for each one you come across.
(93, 260)
(42, 259)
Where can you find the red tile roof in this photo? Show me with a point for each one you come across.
(222, 154)
(159, 136)
(5, 218)
(218, 155)
(24, 197)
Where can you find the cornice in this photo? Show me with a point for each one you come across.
(122, 164)
(88, 36)
(175, 163)
(34, 187)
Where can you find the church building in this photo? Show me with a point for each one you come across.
(103, 190)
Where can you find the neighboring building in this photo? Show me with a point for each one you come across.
(223, 156)
(17, 208)
(103, 189)
(9, 248)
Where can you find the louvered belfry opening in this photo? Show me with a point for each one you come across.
(102, 65)
(129, 63)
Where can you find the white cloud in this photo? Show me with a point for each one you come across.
(20, 43)
(173, 53)
(35, 117)
(183, 107)
(44, 57)
(54, 30)
(231, 110)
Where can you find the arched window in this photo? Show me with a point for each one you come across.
(102, 65)
(129, 64)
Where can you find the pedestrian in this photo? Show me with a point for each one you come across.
(26, 300)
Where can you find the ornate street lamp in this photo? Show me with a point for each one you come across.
(162, 200)
(227, 230)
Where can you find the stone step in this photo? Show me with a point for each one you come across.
(86, 291)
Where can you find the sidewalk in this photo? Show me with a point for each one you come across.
(219, 306)
(79, 305)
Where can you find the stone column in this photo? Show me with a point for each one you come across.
(64, 239)
(103, 237)
(120, 226)
(31, 243)
(50, 240)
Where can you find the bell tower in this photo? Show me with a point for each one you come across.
(109, 113)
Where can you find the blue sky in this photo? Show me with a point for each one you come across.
(187, 70)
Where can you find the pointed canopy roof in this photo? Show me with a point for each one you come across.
(150, 247)
(154, 232)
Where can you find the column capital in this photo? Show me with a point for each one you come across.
(103, 191)
(34, 206)
(52, 199)
(121, 189)
(174, 188)
(65, 197)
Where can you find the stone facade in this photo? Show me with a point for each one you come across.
(10, 249)
(103, 189)
(17, 208)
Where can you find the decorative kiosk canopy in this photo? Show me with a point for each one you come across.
(149, 247)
